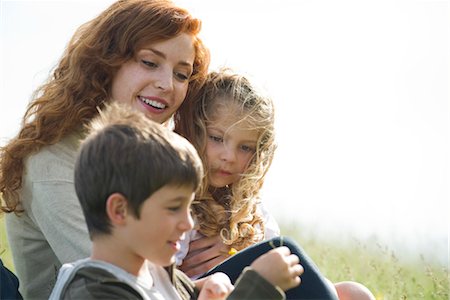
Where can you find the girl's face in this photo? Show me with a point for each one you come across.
(229, 148)
(156, 80)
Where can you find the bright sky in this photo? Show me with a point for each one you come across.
(361, 90)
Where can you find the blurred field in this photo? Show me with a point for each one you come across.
(373, 265)
(5, 253)
(367, 262)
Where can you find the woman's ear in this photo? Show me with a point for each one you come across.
(117, 208)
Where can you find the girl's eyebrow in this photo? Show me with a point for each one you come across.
(215, 128)
(250, 142)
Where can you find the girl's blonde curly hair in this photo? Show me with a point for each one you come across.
(81, 82)
(231, 212)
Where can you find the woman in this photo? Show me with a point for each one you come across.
(145, 53)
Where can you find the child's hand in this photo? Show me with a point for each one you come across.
(279, 267)
(217, 286)
(204, 253)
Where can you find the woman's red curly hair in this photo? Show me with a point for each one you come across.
(82, 80)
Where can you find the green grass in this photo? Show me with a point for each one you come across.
(375, 266)
(368, 262)
(5, 252)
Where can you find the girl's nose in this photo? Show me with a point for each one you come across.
(228, 154)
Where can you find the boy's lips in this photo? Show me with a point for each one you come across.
(175, 245)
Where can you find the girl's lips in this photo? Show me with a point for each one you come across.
(224, 173)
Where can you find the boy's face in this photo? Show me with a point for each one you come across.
(229, 148)
(165, 217)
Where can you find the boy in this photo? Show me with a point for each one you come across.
(135, 181)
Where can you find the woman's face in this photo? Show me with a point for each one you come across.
(156, 80)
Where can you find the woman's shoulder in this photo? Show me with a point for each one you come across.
(54, 160)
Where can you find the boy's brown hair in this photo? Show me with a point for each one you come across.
(127, 153)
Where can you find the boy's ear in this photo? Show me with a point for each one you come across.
(117, 208)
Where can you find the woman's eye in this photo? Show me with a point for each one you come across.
(215, 138)
(181, 76)
(149, 63)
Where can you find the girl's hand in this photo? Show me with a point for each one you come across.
(279, 267)
(204, 253)
(216, 286)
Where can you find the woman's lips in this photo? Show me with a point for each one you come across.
(153, 104)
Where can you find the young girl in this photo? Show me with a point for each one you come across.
(231, 124)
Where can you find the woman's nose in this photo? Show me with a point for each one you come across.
(164, 80)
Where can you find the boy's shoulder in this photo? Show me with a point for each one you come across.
(182, 283)
(96, 283)
(86, 279)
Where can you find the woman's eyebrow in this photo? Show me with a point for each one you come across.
(162, 55)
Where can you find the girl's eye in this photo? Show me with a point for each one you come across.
(149, 63)
(246, 148)
(215, 138)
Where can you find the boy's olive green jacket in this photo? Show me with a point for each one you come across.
(95, 283)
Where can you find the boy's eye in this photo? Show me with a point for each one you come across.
(215, 138)
(149, 63)
(174, 208)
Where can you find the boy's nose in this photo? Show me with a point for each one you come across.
(188, 223)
